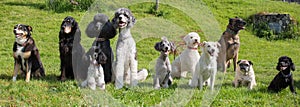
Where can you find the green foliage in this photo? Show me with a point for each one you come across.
(65, 5)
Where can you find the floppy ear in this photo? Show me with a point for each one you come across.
(278, 67)
(102, 58)
(29, 28)
(218, 44)
(157, 47)
(240, 61)
(291, 64)
(203, 43)
(250, 62)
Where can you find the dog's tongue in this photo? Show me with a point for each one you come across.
(67, 29)
(283, 68)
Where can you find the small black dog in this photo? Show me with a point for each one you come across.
(284, 78)
(26, 54)
(71, 51)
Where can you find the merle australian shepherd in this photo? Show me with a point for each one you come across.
(70, 49)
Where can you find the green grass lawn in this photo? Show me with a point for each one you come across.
(175, 19)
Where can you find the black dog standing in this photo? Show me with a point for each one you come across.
(284, 78)
(70, 49)
(103, 30)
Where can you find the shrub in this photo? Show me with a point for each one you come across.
(65, 5)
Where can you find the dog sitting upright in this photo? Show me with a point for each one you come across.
(206, 68)
(26, 54)
(71, 51)
(244, 74)
(284, 78)
(163, 69)
(103, 30)
(95, 74)
(187, 60)
(230, 44)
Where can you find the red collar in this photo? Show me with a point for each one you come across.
(192, 48)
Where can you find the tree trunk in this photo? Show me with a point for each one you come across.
(156, 6)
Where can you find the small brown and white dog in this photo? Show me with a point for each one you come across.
(26, 54)
(244, 74)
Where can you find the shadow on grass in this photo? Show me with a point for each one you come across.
(40, 6)
(297, 84)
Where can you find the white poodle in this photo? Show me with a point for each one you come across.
(125, 66)
(207, 66)
(187, 60)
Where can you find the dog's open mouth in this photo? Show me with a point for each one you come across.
(242, 27)
(210, 53)
(122, 24)
(18, 35)
(283, 67)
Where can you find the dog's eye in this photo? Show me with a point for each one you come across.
(191, 37)
(208, 45)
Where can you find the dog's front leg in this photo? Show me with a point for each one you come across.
(100, 80)
(200, 81)
(16, 70)
(28, 70)
(212, 79)
(133, 73)
(235, 59)
(292, 88)
(156, 83)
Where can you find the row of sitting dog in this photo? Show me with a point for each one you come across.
(215, 56)
(97, 66)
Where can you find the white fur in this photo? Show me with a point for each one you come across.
(206, 68)
(95, 76)
(245, 79)
(125, 66)
(187, 60)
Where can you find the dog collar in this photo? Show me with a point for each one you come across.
(192, 48)
(100, 39)
(231, 31)
(286, 76)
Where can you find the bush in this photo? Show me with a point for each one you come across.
(65, 5)
(262, 30)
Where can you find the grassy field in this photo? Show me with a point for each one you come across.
(175, 19)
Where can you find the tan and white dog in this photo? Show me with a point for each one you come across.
(244, 74)
(187, 60)
(206, 68)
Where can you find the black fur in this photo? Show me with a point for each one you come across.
(34, 61)
(284, 78)
(70, 49)
(102, 43)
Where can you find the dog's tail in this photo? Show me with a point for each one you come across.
(142, 75)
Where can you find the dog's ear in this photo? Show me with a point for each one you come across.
(29, 28)
(239, 62)
(203, 43)
(291, 64)
(157, 46)
(278, 66)
(218, 44)
(250, 62)
(102, 58)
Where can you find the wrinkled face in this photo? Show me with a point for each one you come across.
(211, 48)
(123, 18)
(244, 66)
(68, 24)
(192, 40)
(237, 24)
(21, 31)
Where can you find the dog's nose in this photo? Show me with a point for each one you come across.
(120, 18)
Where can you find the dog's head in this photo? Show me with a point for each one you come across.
(285, 63)
(245, 66)
(123, 18)
(68, 25)
(192, 40)
(22, 32)
(164, 46)
(211, 48)
(99, 55)
(236, 24)
(94, 28)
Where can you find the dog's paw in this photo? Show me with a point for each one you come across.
(14, 79)
(102, 87)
